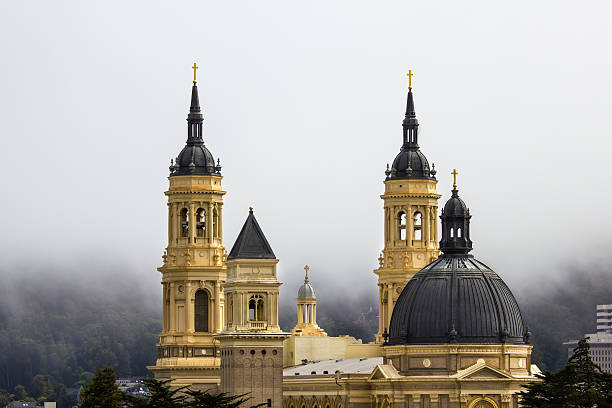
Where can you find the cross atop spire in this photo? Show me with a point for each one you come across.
(409, 74)
(194, 72)
(306, 268)
(454, 173)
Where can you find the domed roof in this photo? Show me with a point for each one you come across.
(306, 291)
(456, 299)
(195, 158)
(410, 162)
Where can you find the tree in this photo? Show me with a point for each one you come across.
(20, 393)
(203, 399)
(161, 395)
(580, 384)
(102, 392)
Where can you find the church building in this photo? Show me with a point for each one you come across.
(451, 334)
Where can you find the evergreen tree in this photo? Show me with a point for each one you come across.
(102, 392)
(203, 399)
(161, 395)
(580, 384)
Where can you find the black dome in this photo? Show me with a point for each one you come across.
(457, 299)
(200, 156)
(410, 163)
(195, 158)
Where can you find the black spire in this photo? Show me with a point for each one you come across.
(195, 119)
(195, 158)
(410, 162)
(251, 242)
(410, 124)
(455, 225)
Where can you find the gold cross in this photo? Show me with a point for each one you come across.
(410, 74)
(194, 72)
(454, 173)
(306, 268)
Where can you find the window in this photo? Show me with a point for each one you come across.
(200, 222)
(458, 232)
(184, 222)
(256, 308)
(201, 311)
(401, 225)
(418, 226)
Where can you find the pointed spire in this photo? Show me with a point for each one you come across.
(251, 242)
(195, 100)
(410, 123)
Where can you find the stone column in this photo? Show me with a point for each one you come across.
(314, 313)
(176, 222)
(169, 224)
(389, 304)
(216, 310)
(220, 221)
(380, 309)
(172, 310)
(409, 225)
(209, 223)
(192, 229)
(164, 308)
(425, 228)
(189, 309)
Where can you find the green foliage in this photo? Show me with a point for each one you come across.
(580, 384)
(203, 399)
(102, 392)
(20, 393)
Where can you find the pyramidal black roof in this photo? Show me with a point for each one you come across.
(251, 242)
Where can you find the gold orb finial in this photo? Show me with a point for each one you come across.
(194, 72)
(251, 208)
(409, 74)
(454, 173)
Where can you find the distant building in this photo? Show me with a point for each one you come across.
(604, 319)
(600, 342)
(22, 404)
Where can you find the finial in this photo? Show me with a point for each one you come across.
(306, 268)
(454, 173)
(194, 72)
(409, 74)
(433, 169)
(251, 209)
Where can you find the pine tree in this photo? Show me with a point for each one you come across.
(580, 384)
(102, 392)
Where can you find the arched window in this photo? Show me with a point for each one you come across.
(184, 219)
(418, 226)
(201, 222)
(256, 308)
(201, 311)
(452, 232)
(401, 225)
(458, 232)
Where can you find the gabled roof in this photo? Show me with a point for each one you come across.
(251, 242)
(481, 371)
(383, 372)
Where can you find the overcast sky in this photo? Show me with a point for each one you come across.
(303, 103)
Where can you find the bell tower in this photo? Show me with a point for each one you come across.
(410, 218)
(252, 341)
(193, 264)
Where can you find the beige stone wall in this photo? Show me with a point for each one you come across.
(311, 348)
